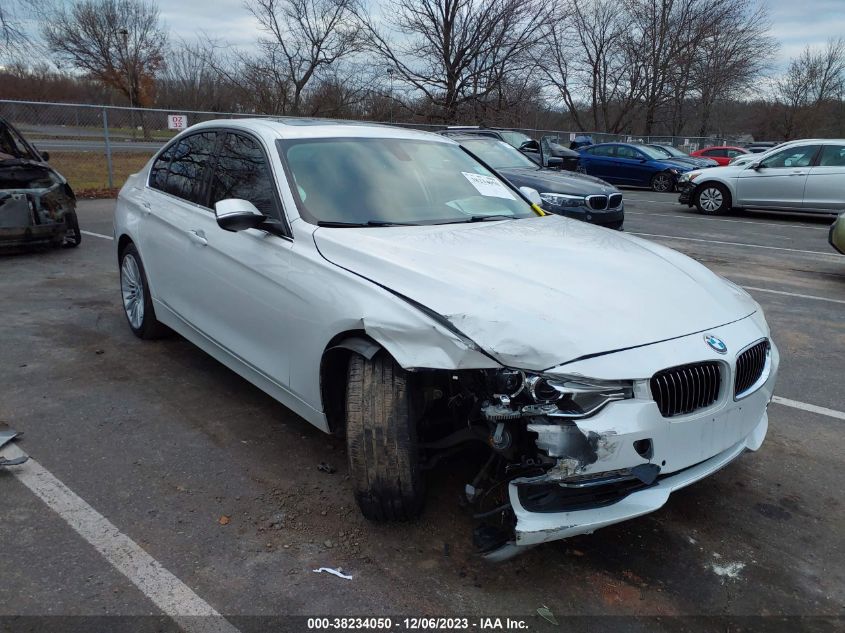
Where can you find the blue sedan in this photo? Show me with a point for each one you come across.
(633, 165)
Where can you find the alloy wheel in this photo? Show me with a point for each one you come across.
(662, 183)
(711, 199)
(132, 289)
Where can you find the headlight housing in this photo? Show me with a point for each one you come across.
(689, 176)
(558, 396)
(562, 200)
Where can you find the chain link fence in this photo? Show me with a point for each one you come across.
(97, 147)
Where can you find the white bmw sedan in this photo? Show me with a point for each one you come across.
(386, 285)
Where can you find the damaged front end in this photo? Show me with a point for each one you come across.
(36, 206)
(531, 424)
(571, 454)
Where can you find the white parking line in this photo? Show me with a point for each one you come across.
(831, 413)
(704, 217)
(92, 234)
(795, 294)
(165, 590)
(773, 248)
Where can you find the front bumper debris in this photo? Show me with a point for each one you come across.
(37, 216)
(626, 460)
(685, 190)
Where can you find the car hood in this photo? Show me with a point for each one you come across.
(539, 292)
(547, 180)
(723, 171)
(696, 161)
(677, 163)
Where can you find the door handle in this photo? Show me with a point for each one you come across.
(198, 237)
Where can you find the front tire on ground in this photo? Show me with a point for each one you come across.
(381, 438)
(713, 199)
(135, 293)
(73, 236)
(662, 182)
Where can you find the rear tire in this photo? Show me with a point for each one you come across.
(713, 199)
(662, 182)
(135, 293)
(381, 438)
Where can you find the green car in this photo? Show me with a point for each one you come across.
(837, 233)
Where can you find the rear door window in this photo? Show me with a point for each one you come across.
(832, 156)
(601, 150)
(715, 152)
(188, 168)
(243, 172)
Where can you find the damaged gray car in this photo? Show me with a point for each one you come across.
(37, 206)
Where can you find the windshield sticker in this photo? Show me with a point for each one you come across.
(488, 186)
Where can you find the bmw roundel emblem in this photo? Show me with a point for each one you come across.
(716, 344)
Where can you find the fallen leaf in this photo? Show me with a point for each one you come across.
(547, 615)
(224, 520)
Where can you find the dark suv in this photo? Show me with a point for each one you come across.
(545, 153)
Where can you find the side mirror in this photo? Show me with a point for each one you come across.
(555, 162)
(755, 166)
(237, 215)
(532, 194)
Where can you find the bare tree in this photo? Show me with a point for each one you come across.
(304, 37)
(726, 67)
(812, 80)
(15, 39)
(190, 78)
(454, 52)
(120, 43)
(601, 76)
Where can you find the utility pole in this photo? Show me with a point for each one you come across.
(125, 34)
(390, 72)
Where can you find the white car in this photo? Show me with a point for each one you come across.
(807, 175)
(383, 284)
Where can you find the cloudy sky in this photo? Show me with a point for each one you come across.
(795, 23)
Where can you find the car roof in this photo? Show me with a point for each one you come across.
(296, 128)
(463, 136)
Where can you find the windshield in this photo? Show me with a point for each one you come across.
(13, 146)
(498, 154)
(652, 153)
(671, 151)
(383, 181)
(515, 138)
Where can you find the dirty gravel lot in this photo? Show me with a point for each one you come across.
(219, 483)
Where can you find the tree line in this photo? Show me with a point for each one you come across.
(642, 67)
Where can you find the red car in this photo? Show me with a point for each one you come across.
(722, 154)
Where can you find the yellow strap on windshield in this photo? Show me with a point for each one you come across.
(537, 209)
